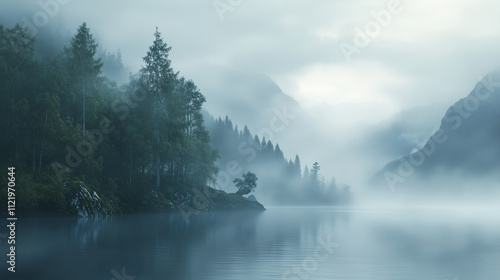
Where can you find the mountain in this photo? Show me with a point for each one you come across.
(402, 133)
(250, 98)
(462, 155)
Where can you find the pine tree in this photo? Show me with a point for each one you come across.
(256, 143)
(315, 172)
(263, 144)
(16, 69)
(246, 134)
(279, 154)
(297, 167)
(159, 80)
(306, 175)
(192, 101)
(83, 64)
(269, 147)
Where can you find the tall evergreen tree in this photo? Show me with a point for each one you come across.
(315, 172)
(192, 100)
(83, 63)
(17, 70)
(256, 143)
(297, 167)
(306, 175)
(263, 144)
(159, 80)
(246, 134)
(269, 148)
(279, 154)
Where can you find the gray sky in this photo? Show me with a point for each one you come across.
(429, 52)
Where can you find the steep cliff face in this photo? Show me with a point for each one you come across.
(465, 148)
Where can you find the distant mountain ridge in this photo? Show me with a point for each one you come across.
(464, 149)
(250, 98)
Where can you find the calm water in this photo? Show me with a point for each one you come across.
(280, 243)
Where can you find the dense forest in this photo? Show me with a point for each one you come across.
(134, 144)
(283, 181)
(140, 145)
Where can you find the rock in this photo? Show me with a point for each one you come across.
(189, 200)
(243, 191)
(251, 198)
(232, 201)
(84, 204)
(208, 200)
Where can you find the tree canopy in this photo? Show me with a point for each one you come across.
(138, 145)
(247, 184)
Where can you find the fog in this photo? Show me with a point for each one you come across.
(298, 139)
(353, 113)
(318, 243)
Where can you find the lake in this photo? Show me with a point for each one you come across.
(280, 243)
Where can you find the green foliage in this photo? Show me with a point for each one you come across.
(38, 194)
(247, 184)
(84, 69)
(81, 53)
(27, 197)
(153, 201)
(52, 110)
(50, 198)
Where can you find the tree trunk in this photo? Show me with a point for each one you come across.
(157, 155)
(130, 168)
(41, 145)
(17, 142)
(34, 157)
(83, 105)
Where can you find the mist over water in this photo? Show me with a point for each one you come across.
(281, 243)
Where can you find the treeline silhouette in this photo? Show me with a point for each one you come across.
(282, 181)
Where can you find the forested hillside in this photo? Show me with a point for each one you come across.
(281, 181)
(63, 120)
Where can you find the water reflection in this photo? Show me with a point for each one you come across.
(280, 243)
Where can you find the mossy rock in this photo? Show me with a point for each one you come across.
(232, 201)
